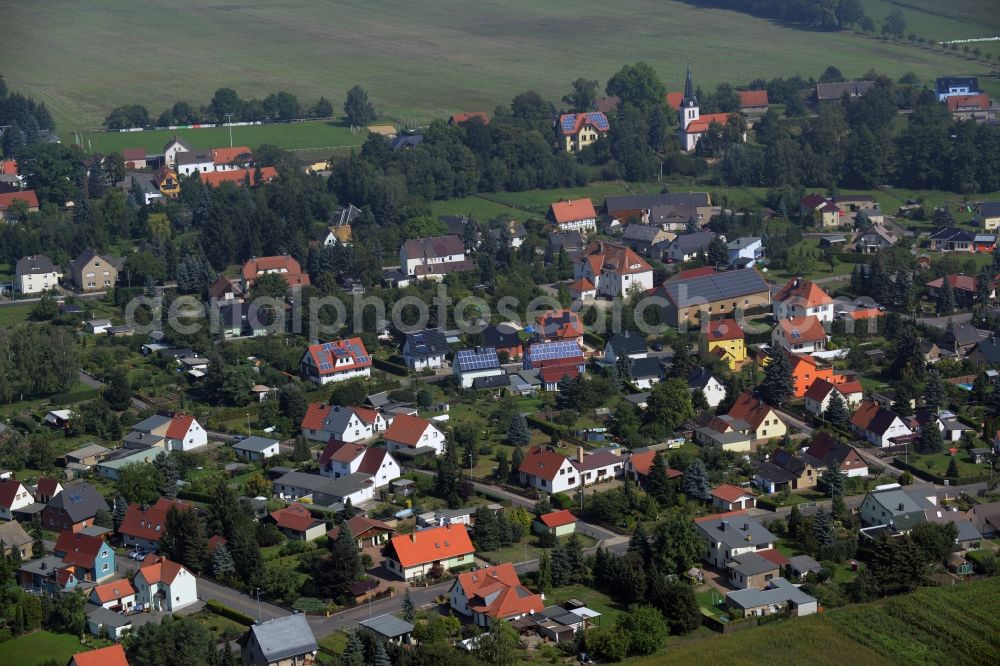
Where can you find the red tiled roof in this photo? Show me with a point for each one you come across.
(113, 655)
(294, 517)
(283, 265)
(469, 115)
(752, 98)
(432, 545)
(607, 257)
(642, 462)
(116, 589)
(774, 556)
(848, 388)
(407, 429)
(730, 493)
(573, 210)
(47, 486)
(134, 154)
(805, 293)
(674, 100)
(581, 285)
(818, 390)
(802, 329)
(8, 167)
(501, 586)
(161, 571)
(80, 549)
(865, 313)
(703, 122)
(236, 154)
(956, 102)
(340, 451)
(238, 176)
(9, 488)
(329, 352)
(179, 426)
(360, 526)
(693, 273)
(372, 461)
(557, 518)
(149, 524)
(369, 416)
(716, 516)
(542, 462)
(749, 409)
(567, 323)
(864, 414)
(724, 329)
(27, 196)
(812, 201)
(553, 373)
(963, 282)
(315, 416)
(223, 286)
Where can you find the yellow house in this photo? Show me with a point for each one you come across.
(166, 181)
(579, 130)
(988, 215)
(724, 339)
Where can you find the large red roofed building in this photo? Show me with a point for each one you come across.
(414, 556)
(614, 270)
(284, 265)
(7, 199)
(336, 361)
(143, 525)
(574, 215)
(239, 176)
(493, 594)
(802, 298)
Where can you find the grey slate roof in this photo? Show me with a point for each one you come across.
(636, 201)
(645, 233)
(389, 626)
(990, 349)
(735, 531)
(951, 234)
(429, 342)
(941, 84)
(989, 208)
(783, 591)
(689, 243)
(155, 421)
(627, 343)
(828, 91)
(491, 382)
(699, 378)
(37, 264)
(284, 637)
(752, 564)
(742, 242)
(715, 287)
(255, 444)
(906, 509)
(315, 483)
(79, 501)
(108, 618)
(646, 368)
(501, 336)
(804, 564)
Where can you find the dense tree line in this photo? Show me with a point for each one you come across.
(813, 14)
(36, 360)
(24, 119)
(225, 106)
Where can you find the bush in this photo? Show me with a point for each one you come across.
(561, 501)
(229, 613)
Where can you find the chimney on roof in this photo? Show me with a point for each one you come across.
(723, 525)
(746, 527)
(413, 537)
(796, 283)
(900, 506)
(579, 454)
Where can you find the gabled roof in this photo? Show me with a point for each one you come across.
(802, 329)
(750, 409)
(9, 489)
(295, 517)
(642, 463)
(803, 293)
(477, 359)
(27, 196)
(161, 571)
(714, 287)
(951, 234)
(78, 549)
(315, 416)
(834, 91)
(752, 98)
(957, 281)
(113, 655)
(223, 286)
(434, 247)
(502, 336)
(597, 460)
(150, 522)
(235, 155)
(704, 121)
(819, 389)
(572, 210)
(13, 535)
(943, 83)
(557, 518)
(693, 242)
(284, 637)
(429, 342)
(543, 463)
(116, 589)
(284, 265)
(605, 257)
(469, 115)
(559, 325)
(80, 501)
(730, 493)
(645, 368)
(341, 451)
(37, 264)
(180, 425)
(407, 429)
(359, 526)
(723, 329)
(736, 529)
(325, 356)
(864, 414)
(563, 350)
(627, 343)
(255, 444)
(238, 176)
(431, 545)
(572, 123)
(700, 378)
(987, 208)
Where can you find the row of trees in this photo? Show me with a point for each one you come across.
(824, 15)
(24, 119)
(225, 106)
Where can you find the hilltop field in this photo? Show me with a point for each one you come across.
(428, 58)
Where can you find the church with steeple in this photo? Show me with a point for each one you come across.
(691, 124)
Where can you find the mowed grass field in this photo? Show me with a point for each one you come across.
(418, 59)
(312, 135)
(951, 625)
(40, 646)
(942, 21)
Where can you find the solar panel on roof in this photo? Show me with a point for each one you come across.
(569, 122)
(553, 350)
(75, 498)
(483, 359)
(599, 119)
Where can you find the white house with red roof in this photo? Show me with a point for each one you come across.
(163, 585)
(336, 361)
(579, 130)
(802, 298)
(493, 594)
(801, 335)
(297, 523)
(13, 496)
(313, 422)
(341, 458)
(413, 556)
(557, 523)
(118, 595)
(285, 266)
(411, 433)
(179, 432)
(143, 525)
(614, 270)
(692, 125)
(546, 470)
(820, 391)
(732, 498)
(574, 215)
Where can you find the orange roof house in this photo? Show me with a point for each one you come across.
(113, 655)
(238, 176)
(413, 556)
(493, 594)
(968, 102)
(753, 99)
(574, 215)
(800, 334)
(466, 116)
(296, 522)
(674, 100)
(237, 155)
(557, 325)
(613, 269)
(731, 498)
(806, 370)
(802, 298)
(27, 196)
(412, 432)
(312, 422)
(8, 167)
(336, 361)
(284, 265)
(557, 518)
(115, 593)
(640, 462)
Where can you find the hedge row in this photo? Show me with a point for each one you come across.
(230, 613)
(390, 367)
(71, 397)
(193, 496)
(940, 480)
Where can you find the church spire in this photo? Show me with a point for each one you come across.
(688, 85)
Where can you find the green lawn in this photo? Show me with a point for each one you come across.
(418, 60)
(40, 646)
(598, 601)
(219, 626)
(12, 315)
(932, 19)
(516, 553)
(317, 134)
(937, 463)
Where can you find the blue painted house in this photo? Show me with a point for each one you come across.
(92, 558)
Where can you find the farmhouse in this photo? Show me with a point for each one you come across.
(574, 215)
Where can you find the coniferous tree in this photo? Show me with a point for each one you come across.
(301, 452)
(836, 411)
(952, 468)
(930, 440)
(222, 563)
(778, 385)
(822, 528)
(657, 484)
(516, 458)
(833, 482)
(945, 298)
(794, 521)
(517, 432)
(409, 610)
(683, 362)
(120, 509)
(545, 573)
(341, 567)
(503, 466)
(935, 391)
(695, 482)
(354, 651)
(381, 658)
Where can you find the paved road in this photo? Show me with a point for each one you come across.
(794, 421)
